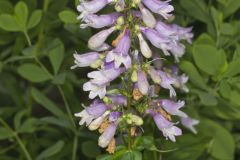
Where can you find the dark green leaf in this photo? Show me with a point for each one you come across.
(52, 150)
(90, 149)
(47, 104)
(33, 73)
(5, 133)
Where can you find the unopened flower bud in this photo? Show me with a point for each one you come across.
(134, 76)
(96, 64)
(138, 121)
(106, 100)
(120, 20)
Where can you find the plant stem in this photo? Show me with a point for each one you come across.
(66, 105)
(20, 142)
(28, 38)
(75, 146)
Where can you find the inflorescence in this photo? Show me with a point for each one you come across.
(142, 76)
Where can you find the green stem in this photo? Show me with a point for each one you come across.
(23, 147)
(20, 142)
(75, 146)
(28, 38)
(66, 105)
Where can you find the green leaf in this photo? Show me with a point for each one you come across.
(225, 89)
(52, 150)
(47, 104)
(232, 70)
(29, 126)
(56, 55)
(68, 16)
(231, 7)
(193, 74)
(208, 58)
(196, 9)
(21, 14)
(132, 155)
(59, 79)
(207, 98)
(205, 39)
(90, 149)
(5, 133)
(33, 73)
(6, 7)
(34, 19)
(222, 145)
(1, 66)
(8, 23)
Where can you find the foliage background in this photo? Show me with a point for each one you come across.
(39, 93)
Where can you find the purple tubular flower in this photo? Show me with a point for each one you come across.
(183, 33)
(97, 41)
(168, 129)
(147, 16)
(118, 100)
(90, 7)
(173, 107)
(142, 82)
(97, 109)
(101, 21)
(113, 117)
(120, 54)
(103, 47)
(144, 47)
(157, 39)
(105, 76)
(166, 82)
(95, 90)
(107, 135)
(84, 60)
(159, 7)
(190, 123)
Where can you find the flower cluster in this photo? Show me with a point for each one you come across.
(138, 67)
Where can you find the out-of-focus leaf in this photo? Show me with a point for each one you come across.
(232, 70)
(222, 145)
(8, 23)
(5, 133)
(5, 7)
(225, 89)
(33, 73)
(208, 58)
(59, 79)
(18, 118)
(21, 14)
(47, 104)
(68, 16)
(52, 150)
(230, 6)
(90, 149)
(56, 55)
(196, 8)
(29, 126)
(132, 155)
(205, 39)
(207, 98)
(193, 74)
(34, 19)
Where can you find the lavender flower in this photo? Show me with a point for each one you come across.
(190, 123)
(97, 41)
(123, 61)
(120, 54)
(168, 129)
(159, 7)
(90, 7)
(101, 21)
(107, 136)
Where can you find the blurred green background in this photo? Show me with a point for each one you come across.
(39, 93)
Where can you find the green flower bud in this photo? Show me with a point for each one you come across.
(138, 121)
(134, 76)
(120, 20)
(96, 64)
